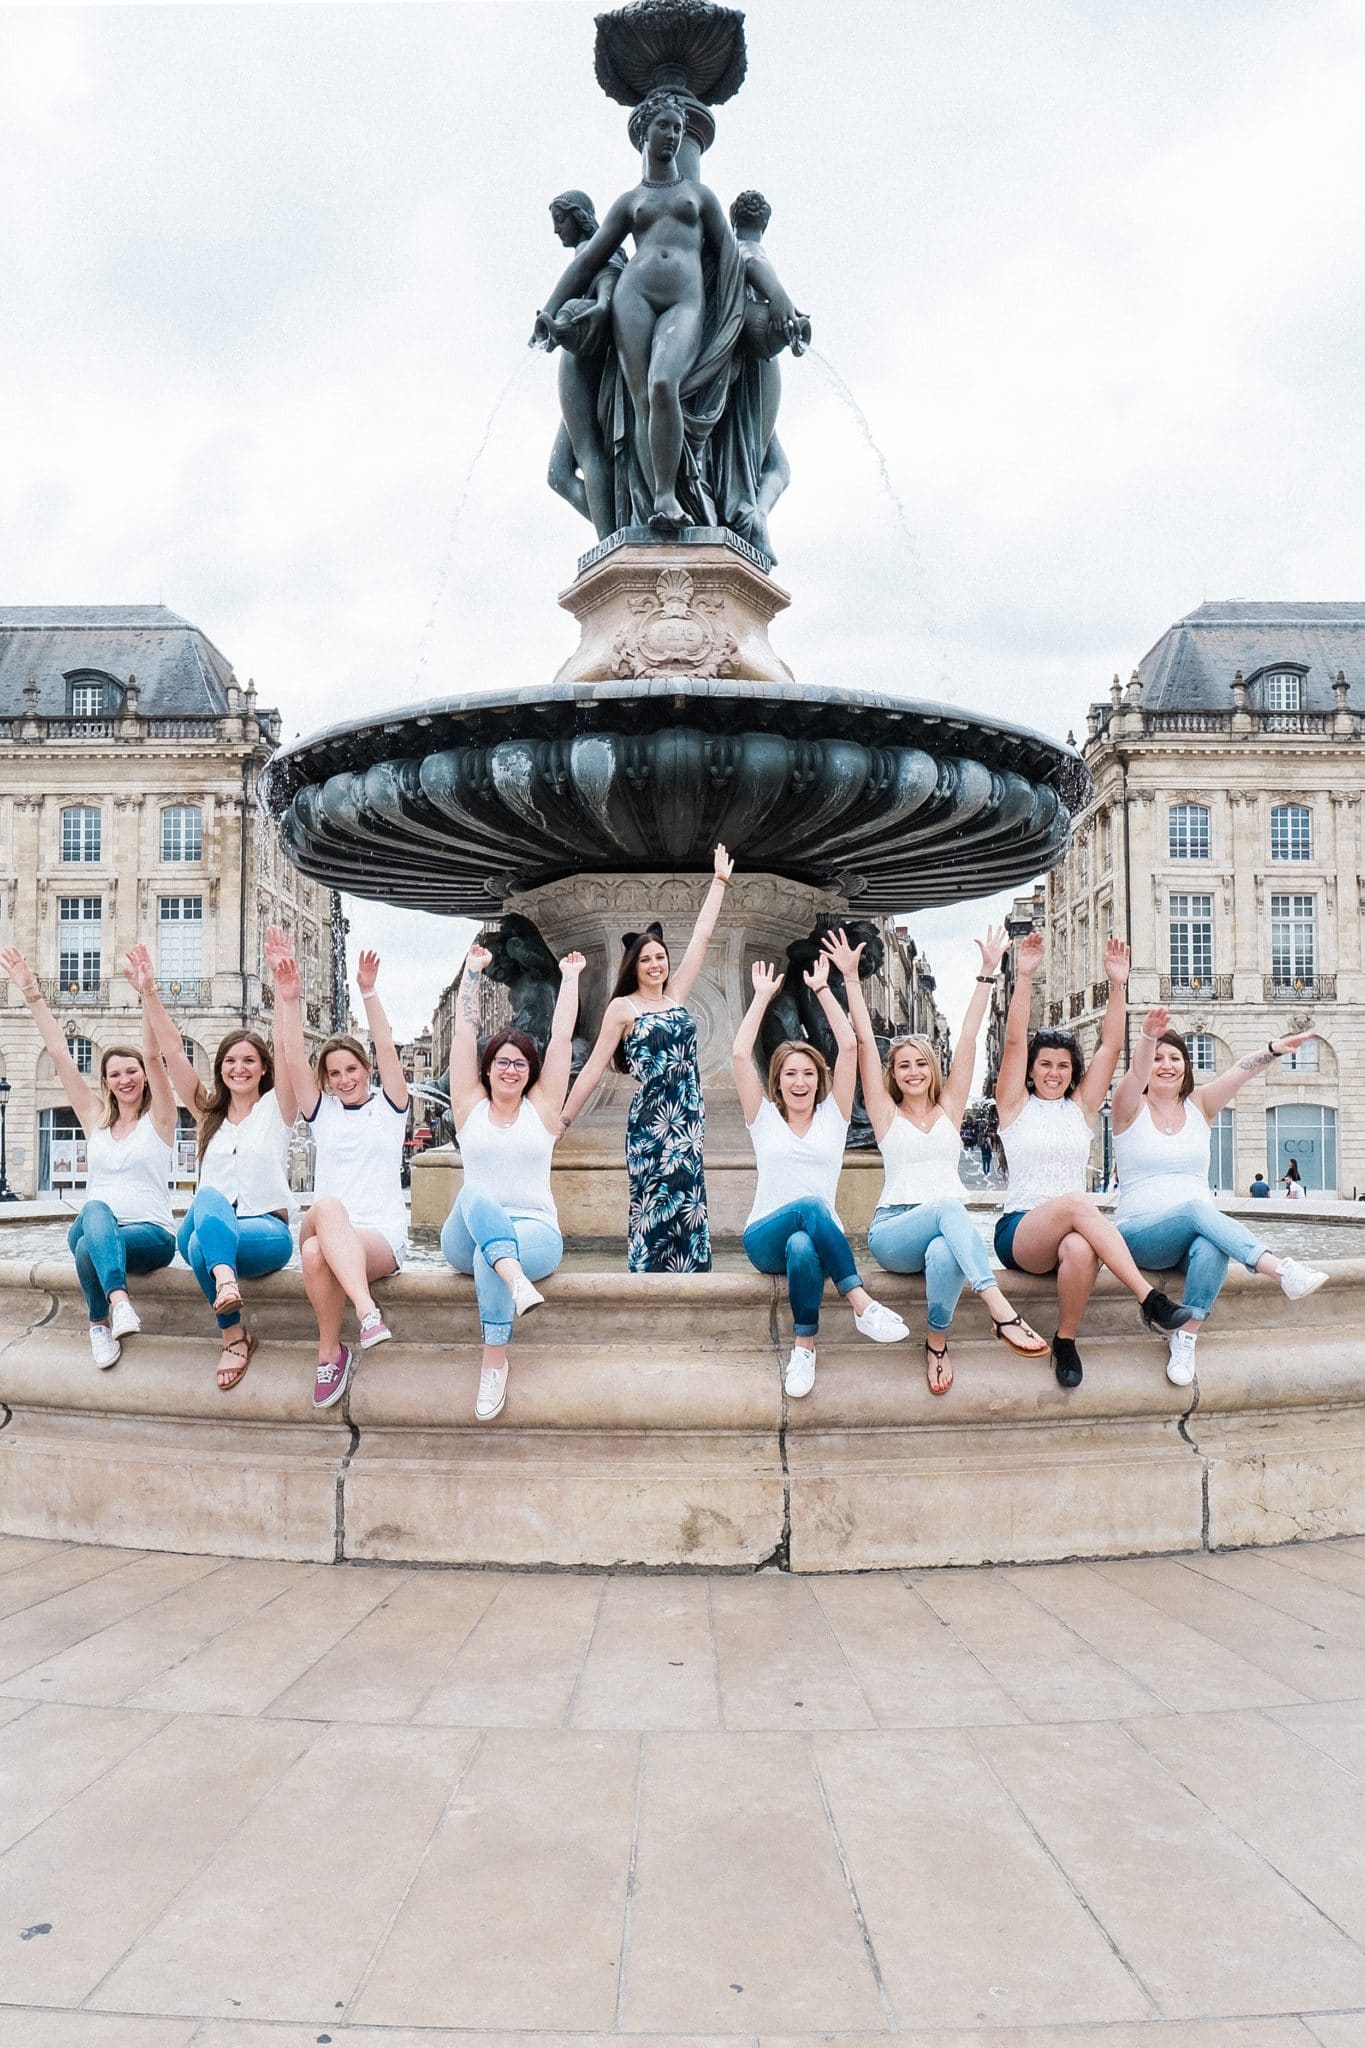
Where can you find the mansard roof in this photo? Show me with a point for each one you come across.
(1192, 665)
(179, 671)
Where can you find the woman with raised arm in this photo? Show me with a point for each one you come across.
(1049, 1103)
(1163, 1128)
(506, 1103)
(237, 1226)
(356, 1231)
(799, 1126)
(125, 1224)
(647, 1033)
(921, 1224)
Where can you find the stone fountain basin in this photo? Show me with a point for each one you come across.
(453, 805)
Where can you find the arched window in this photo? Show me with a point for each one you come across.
(90, 693)
(1203, 1048)
(81, 833)
(1188, 832)
(1291, 832)
(83, 1053)
(1281, 690)
(182, 833)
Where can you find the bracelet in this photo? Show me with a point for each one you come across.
(1270, 1047)
(1151, 1037)
(987, 980)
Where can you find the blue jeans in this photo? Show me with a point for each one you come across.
(479, 1231)
(939, 1240)
(107, 1251)
(1200, 1235)
(804, 1241)
(213, 1234)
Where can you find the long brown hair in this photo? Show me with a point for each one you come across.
(628, 979)
(1187, 1078)
(121, 1052)
(217, 1100)
(779, 1059)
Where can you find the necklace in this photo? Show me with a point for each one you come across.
(661, 181)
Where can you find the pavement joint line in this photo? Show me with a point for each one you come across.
(163, 1721)
(1301, 1735)
(572, 1701)
(860, 1917)
(632, 1880)
(264, 1710)
(1123, 1670)
(716, 1684)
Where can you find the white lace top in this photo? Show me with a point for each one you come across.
(1047, 1148)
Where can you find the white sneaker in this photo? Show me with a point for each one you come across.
(881, 1324)
(124, 1320)
(799, 1377)
(1297, 1280)
(1180, 1364)
(104, 1345)
(492, 1392)
(525, 1297)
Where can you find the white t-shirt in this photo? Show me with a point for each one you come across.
(360, 1160)
(790, 1167)
(248, 1162)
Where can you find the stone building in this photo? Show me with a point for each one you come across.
(1026, 914)
(129, 760)
(1226, 842)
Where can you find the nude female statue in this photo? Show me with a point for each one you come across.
(771, 323)
(658, 310)
(580, 468)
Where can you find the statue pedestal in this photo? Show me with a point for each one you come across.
(651, 610)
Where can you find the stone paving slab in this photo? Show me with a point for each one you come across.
(248, 1805)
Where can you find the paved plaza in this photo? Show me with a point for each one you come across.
(259, 1805)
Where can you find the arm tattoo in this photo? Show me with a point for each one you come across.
(469, 996)
(1256, 1060)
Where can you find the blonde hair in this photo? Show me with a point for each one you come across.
(121, 1052)
(924, 1045)
(340, 1042)
(784, 1052)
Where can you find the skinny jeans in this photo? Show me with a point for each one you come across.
(939, 1240)
(107, 1251)
(1199, 1236)
(477, 1233)
(213, 1234)
(803, 1240)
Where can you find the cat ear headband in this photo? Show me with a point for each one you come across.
(651, 931)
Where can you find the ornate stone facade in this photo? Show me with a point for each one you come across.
(129, 759)
(1225, 841)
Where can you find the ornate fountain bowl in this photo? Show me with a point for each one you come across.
(454, 805)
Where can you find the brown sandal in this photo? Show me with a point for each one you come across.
(938, 1368)
(1029, 1343)
(241, 1346)
(229, 1295)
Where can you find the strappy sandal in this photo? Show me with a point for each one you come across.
(229, 1296)
(938, 1368)
(241, 1346)
(1033, 1345)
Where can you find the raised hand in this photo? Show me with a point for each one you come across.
(766, 979)
(367, 972)
(1295, 1040)
(1028, 955)
(836, 948)
(1155, 1022)
(1116, 961)
(992, 948)
(277, 945)
(724, 866)
(816, 976)
(284, 971)
(480, 959)
(18, 970)
(572, 964)
(138, 968)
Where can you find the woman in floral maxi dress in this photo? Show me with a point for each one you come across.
(647, 1033)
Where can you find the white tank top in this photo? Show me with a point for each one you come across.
(921, 1166)
(791, 1166)
(247, 1163)
(131, 1174)
(360, 1161)
(1047, 1149)
(510, 1163)
(1158, 1170)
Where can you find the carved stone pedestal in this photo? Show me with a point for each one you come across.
(690, 608)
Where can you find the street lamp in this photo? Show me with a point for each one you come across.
(7, 1193)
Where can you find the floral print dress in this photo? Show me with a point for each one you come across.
(668, 1230)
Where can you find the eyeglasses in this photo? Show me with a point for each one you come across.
(512, 1066)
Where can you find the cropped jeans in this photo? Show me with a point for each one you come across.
(107, 1251)
(479, 1231)
(803, 1240)
(939, 1240)
(1200, 1235)
(213, 1234)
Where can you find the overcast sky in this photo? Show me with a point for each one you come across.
(1092, 273)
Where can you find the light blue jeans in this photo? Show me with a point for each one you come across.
(939, 1240)
(213, 1234)
(107, 1251)
(479, 1231)
(1203, 1238)
(804, 1241)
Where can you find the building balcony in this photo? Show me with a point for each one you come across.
(67, 995)
(195, 990)
(1300, 988)
(1197, 988)
(1099, 994)
(1075, 1003)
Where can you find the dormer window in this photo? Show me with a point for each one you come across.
(90, 694)
(1282, 690)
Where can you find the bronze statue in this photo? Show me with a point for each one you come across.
(580, 468)
(795, 1014)
(750, 469)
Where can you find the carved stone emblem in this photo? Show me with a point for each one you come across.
(675, 632)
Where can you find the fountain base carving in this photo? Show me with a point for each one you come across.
(648, 611)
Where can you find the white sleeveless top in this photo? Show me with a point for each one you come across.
(1047, 1149)
(1160, 1170)
(511, 1164)
(131, 1174)
(791, 1166)
(360, 1160)
(921, 1166)
(247, 1163)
